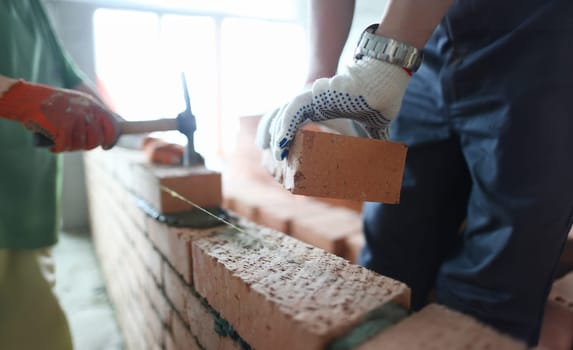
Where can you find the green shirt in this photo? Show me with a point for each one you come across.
(30, 178)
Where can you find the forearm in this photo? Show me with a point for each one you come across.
(330, 22)
(412, 21)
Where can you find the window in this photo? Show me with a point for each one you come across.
(237, 63)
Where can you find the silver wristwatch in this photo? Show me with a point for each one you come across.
(388, 50)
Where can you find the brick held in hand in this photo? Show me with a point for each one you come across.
(337, 166)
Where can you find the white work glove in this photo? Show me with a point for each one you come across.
(370, 93)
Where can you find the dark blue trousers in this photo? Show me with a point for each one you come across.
(487, 197)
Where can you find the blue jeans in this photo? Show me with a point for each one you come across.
(487, 196)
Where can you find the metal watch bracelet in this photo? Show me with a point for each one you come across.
(388, 50)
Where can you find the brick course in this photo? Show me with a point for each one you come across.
(222, 288)
(280, 293)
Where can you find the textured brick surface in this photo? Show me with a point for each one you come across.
(159, 302)
(198, 184)
(177, 292)
(436, 327)
(275, 291)
(280, 293)
(336, 166)
(200, 319)
(149, 256)
(181, 336)
(174, 244)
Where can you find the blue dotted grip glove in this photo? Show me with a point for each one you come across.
(370, 92)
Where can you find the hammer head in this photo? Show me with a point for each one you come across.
(186, 124)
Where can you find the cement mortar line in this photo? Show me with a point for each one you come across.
(188, 201)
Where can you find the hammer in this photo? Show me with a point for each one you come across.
(185, 123)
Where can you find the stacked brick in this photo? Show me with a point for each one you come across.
(181, 288)
(335, 229)
(237, 287)
(251, 192)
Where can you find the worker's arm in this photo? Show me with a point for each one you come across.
(325, 39)
(369, 92)
(72, 119)
(412, 21)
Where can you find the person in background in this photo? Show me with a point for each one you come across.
(30, 179)
(480, 92)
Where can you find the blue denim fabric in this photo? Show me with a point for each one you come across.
(487, 197)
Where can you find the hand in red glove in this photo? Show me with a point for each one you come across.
(73, 120)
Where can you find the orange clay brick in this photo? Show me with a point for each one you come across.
(354, 205)
(198, 184)
(280, 293)
(177, 292)
(200, 320)
(159, 301)
(436, 327)
(174, 243)
(153, 323)
(281, 216)
(328, 230)
(182, 339)
(150, 257)
(353, 246)
(336, 166)
(245, 198)
(169, 341)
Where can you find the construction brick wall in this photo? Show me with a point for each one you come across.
(276, 279)
(225, 287)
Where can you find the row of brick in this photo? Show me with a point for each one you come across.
(335, 229)
(231, 288)
(139, 254)
(143, 277)
(267, 205)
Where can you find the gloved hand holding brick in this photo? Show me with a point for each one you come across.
(370, 92)
(71, 119)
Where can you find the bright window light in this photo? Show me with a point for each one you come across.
(234, 66)
(263, 64)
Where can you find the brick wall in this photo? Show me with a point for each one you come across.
(223, 287)
(273, 281)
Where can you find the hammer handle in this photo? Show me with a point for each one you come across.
(125, 127)
(143, 127)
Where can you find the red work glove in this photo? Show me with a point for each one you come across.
(73, 120)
